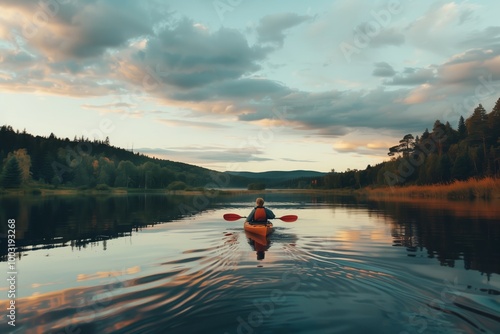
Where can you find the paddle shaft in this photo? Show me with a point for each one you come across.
(234, 216)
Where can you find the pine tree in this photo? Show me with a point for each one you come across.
(438, 132)
(496, 108)
(494, 124)
(462, 129)
(12, 174)
(24, 162)
(477, 128)
(425, 135)
(407, 145)
(451, 137)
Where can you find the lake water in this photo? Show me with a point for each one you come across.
(158, 264)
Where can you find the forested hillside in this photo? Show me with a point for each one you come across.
(441, 155)
(26, 159)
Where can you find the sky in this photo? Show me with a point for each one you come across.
(247, 85)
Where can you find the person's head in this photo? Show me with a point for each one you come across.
(261, 255)
(259, 201)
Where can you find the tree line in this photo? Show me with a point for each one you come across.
(82, 163)
(441, 155)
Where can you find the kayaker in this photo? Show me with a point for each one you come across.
(260, 214)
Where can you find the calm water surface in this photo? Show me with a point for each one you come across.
(157, 264)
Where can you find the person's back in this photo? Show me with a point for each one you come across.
(260, 214)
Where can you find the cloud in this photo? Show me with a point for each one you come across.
(467, 68)
(460, 84)
(123, 108)
(488, 38)
(385, 37)
(383, 69)
(296, 160)
(16, 58)
(108, 106)
(69, 30)
(365, 142)
(271, 28)
(337, 113)
(184, 57)
(177, 61)
(193, 124)
(62, 48)
(467, 15)
(237, 89)
(442, 28)
(412, 77)
(185, 64)
(207, 154)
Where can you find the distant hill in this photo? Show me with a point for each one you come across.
(281, 179)
(285, 175)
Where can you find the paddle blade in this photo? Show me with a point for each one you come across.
(289, 218)
(232, 217)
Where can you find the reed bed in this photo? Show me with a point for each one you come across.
(486, 188)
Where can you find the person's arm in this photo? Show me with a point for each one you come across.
(270, 214)
(250, 216)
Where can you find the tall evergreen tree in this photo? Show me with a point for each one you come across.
(452, 137)
(494, 124)
(477, 128)
(12, 174)
(462, 129)
(438, 135)
(24, 162)
(496, 108)
(425, 135)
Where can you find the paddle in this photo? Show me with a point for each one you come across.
(233, 216)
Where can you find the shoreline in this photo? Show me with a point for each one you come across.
(472, 189)
(34, 191)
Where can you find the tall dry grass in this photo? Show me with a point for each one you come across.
(486, 188)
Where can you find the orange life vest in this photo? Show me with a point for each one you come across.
(260, 214)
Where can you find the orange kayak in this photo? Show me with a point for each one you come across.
(259, 229)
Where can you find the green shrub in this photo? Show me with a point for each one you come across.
(256, 186)
(177, 185)
(102, 187)
(36, 192)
